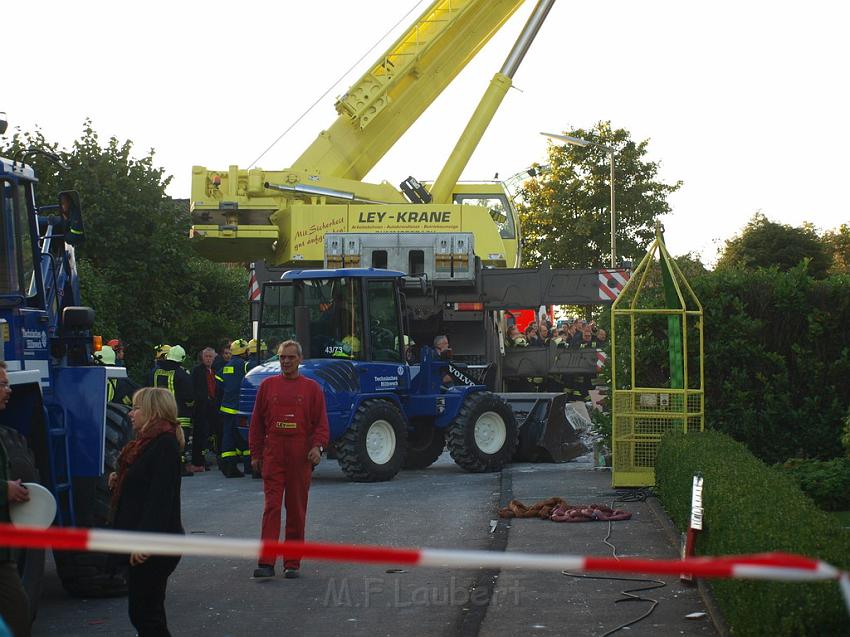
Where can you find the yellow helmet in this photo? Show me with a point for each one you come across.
(351, 345)
(161, 351)
(239, 347)
(252, 346)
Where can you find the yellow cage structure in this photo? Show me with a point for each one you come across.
(656, 364)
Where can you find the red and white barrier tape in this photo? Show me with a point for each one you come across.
(768, 566)
(763, 566)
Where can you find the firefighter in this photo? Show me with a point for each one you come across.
(159, 354)
(233, 445)
(223, 356)
(118, 390)
(254, 353)
(170, 375)
(289, 430)
(119, 348)
(349, 347)
(106, 356)
(69, 207)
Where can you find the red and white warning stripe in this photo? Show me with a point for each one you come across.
(766, 566)
(253, 286)
(601, 357)
(611, 283)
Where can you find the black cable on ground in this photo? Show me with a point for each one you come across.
(632, 495)
(629, 596)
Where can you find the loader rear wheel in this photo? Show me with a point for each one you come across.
(484, 435)
(22, 466)
(86, 574)
(424, 445)
(374, 446)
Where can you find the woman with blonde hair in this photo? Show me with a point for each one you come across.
(146, 497)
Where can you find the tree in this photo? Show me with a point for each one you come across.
(137, 268)
(764, 244)
(566, 212)
(838, 243)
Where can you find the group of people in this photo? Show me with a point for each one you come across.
(207, 398)
(208, 402)
(571, 333)
(288, 433)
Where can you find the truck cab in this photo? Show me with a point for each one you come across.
(58, 427)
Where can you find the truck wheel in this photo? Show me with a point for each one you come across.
(374, 446)
(484, 436)
(22, 465)
(424, 445)
(86, 574)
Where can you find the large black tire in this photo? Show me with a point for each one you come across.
(22, 466)
(484, 435)
(86, 574)
(424, 445)
(374, 446)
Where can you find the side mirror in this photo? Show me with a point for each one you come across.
(78, 318)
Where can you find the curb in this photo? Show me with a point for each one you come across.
(711, 606)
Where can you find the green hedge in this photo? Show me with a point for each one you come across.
(753, 508)
(827, 482)
(777, 360)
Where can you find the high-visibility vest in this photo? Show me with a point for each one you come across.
(232, 374)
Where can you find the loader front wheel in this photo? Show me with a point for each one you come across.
(424, 445)
(374, 446)
(484, 435)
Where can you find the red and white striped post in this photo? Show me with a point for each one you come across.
(695, 524)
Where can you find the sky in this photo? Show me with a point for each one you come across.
(746, 102)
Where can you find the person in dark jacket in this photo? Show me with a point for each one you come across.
(207, 397)
(146, 497)
(14, 604)
(171, 376)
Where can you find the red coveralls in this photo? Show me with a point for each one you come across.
(289, 419)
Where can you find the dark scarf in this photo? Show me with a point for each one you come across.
(133, 449)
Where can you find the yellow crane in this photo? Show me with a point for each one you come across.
(282, 217)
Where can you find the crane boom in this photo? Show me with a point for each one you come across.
(282, 216)
(383, 104)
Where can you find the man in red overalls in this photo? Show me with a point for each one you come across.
(289, 431)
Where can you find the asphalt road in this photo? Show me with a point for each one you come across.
(438, 507)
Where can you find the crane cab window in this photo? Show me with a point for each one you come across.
(500, 209)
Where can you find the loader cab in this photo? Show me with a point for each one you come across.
(18, 286)
(348, 314)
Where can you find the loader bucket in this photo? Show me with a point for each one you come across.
(545, 434)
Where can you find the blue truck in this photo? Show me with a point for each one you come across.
(385, 412)
(59, 428)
